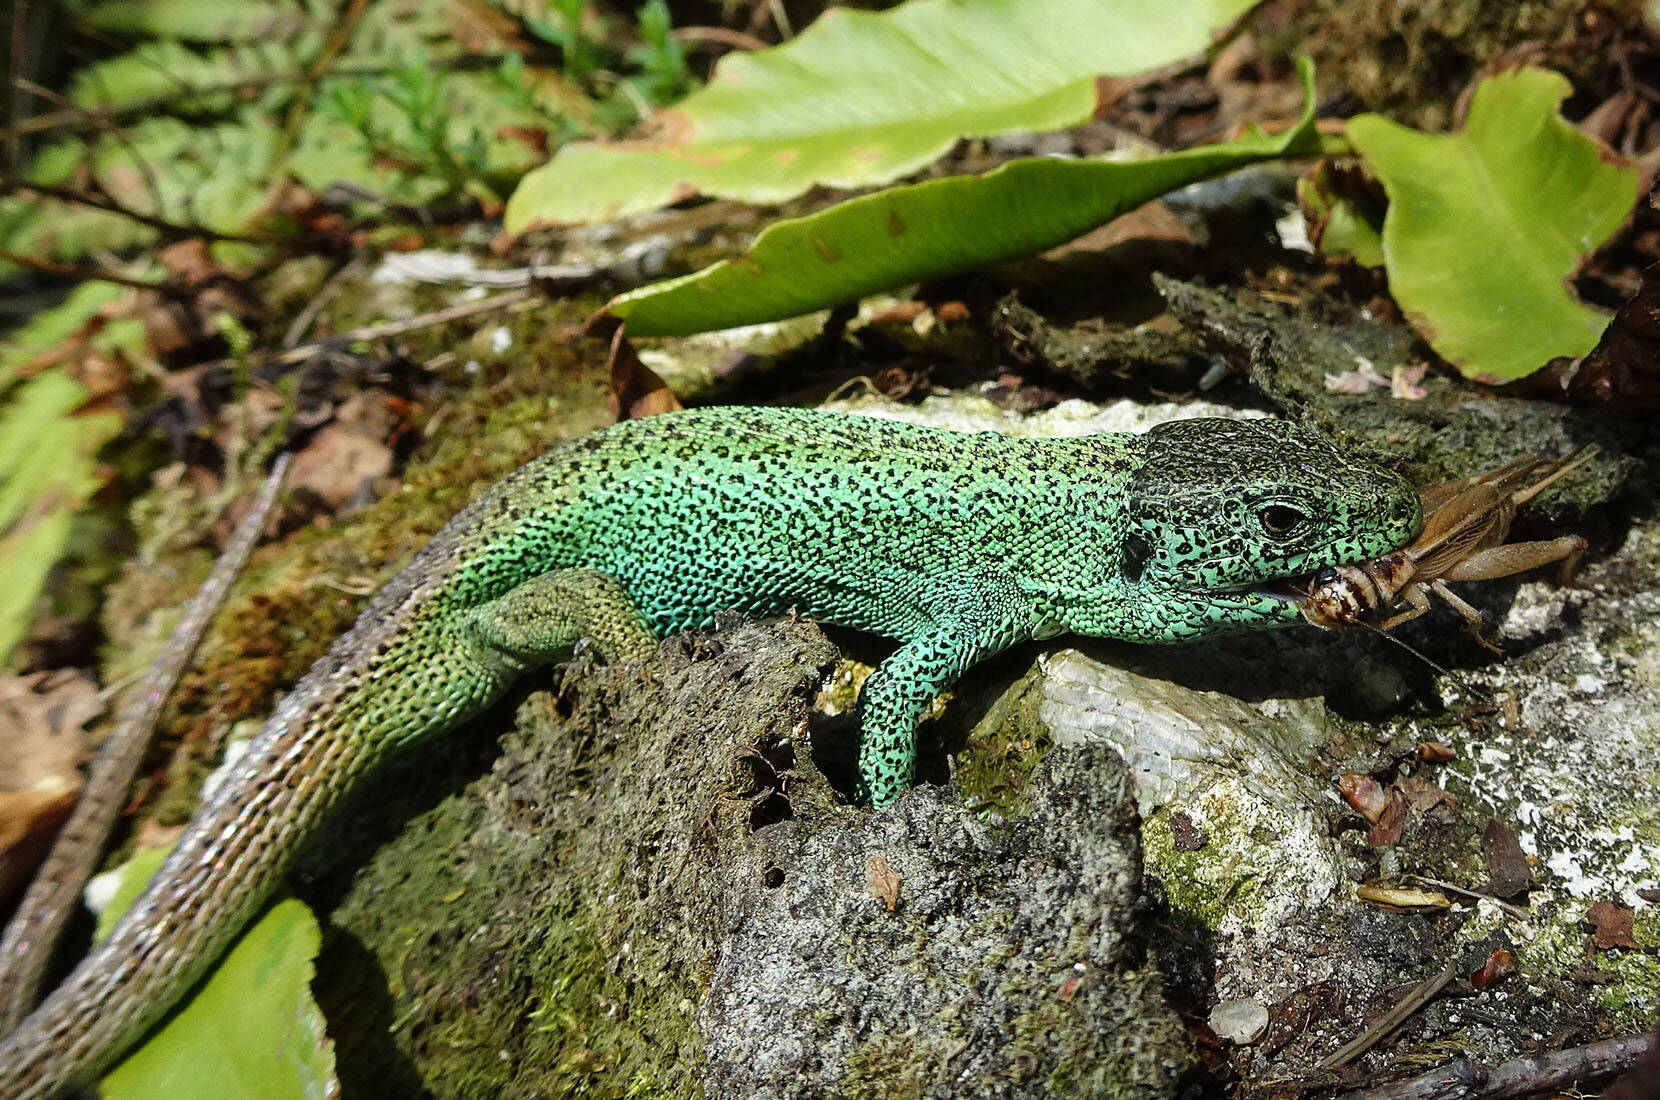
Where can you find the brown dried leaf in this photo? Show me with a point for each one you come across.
(1499, 966)
(1366, 795)
(1292, 1016)
(29, 820)
(44, 714)
(900, 313)
(1188, 837)
(1422, 796)
(1508, 871)
(1611, 925)
(178, 324)
(635, 390)
(1401, 897)
(1386, 831)
(339, 463)
(1436, 752)
(1384, 808)
(883, 880)
(1623, 370)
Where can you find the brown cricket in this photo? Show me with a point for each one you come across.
(1465, 524)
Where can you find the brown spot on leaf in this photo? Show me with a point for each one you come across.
(822, 247)
(896, 226)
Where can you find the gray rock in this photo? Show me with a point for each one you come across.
(1005, 967)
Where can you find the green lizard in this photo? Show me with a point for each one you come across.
(956, 545)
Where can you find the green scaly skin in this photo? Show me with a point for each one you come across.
(956, 545)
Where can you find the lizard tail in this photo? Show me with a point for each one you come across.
(227, 863)
(387, 682)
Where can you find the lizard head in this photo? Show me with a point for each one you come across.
(1222, 514)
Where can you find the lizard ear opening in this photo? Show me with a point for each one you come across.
(1136, 553)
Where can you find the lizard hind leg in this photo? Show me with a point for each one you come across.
(543, 618)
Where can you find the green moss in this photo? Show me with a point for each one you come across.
(891, 1067)
(1206, 885)
(1004, 747)
(1412, 60)
(297, 595)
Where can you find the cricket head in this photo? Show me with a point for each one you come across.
(1226, 519)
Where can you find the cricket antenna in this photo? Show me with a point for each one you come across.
(1448, 673)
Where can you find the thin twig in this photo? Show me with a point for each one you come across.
(1513, 910)
(1464, 1079)
(725, 36)
(1416, 998)
(351, 13)
(82, 273)
(393, 328)
(33, 932)
(161, 225)
(142, 166)
(303, 320)
(14, 69)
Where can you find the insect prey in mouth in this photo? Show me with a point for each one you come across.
(1465, 524)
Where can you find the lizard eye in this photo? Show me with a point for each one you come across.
(1281, 521)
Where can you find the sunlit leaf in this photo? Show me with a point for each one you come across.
(251, 1030)
(47, 473)
(1486, 226)
(203, 20)
(863, 98)
(926, 230)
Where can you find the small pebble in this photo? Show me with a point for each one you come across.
(1240, 1021)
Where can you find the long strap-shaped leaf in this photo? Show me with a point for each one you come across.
(926, 230)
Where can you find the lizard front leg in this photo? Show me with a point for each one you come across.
(969, 625)
(541, 619)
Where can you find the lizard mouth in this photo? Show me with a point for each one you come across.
(1288, 589)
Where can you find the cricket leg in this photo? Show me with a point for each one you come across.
(1502, 561)
(1472, 617)
(1415, 595)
